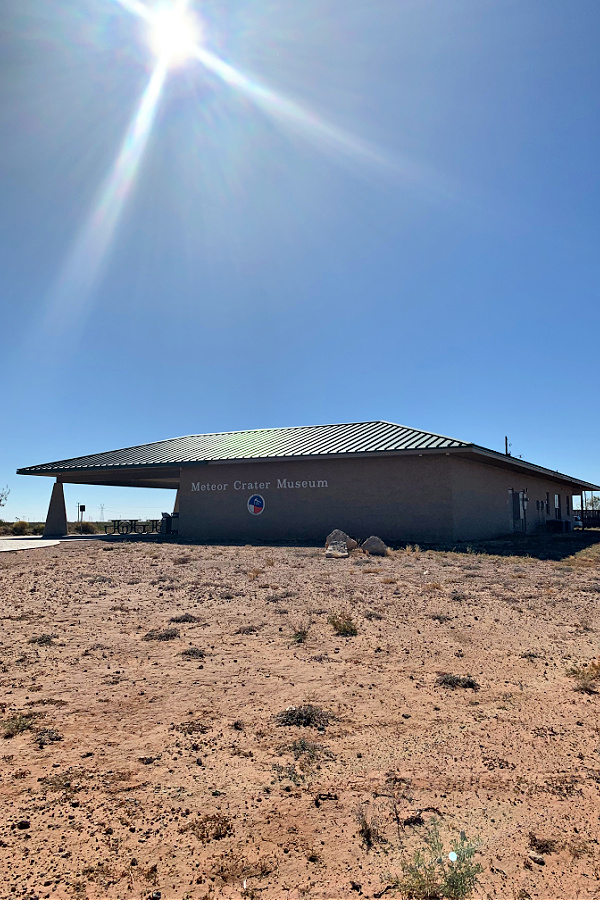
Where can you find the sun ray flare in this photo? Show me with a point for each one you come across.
(92, 245)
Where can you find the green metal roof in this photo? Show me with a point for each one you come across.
(311, 441)
(261, 443)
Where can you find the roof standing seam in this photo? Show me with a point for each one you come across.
(319, 440)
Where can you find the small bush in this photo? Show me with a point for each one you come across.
(587, 677)
(305, 716)
(434, 874)
(446, 679)
(20, 528)
(193, 653)
(343, 624)
(300, 633)
(155, 634)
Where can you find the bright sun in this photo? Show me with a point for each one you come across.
(174, 35)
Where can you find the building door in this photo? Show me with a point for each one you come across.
(517, 510)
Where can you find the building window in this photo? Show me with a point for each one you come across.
(557, 506)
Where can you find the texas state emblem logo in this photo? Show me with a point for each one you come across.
(256, 504)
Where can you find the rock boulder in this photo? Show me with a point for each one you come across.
(374, 546)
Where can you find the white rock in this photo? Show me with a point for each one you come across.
(336, 550)
(338, 535)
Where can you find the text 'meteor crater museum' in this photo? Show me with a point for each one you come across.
(299, 483)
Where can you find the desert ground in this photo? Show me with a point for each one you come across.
(149, 758)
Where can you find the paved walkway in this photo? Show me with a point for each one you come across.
(27, 542)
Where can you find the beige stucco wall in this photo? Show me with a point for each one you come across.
(406, 498)
(433, 498)
(482, 506)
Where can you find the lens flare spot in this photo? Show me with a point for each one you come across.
(174, 35)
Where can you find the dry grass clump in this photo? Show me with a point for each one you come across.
(248, 629)
(305, 716)
(343, 624)
(193, 653)
(209, 828)
(183, 560)
(587, 677)
(368, 829)
(303, 749)
(542, 845)
(42, 640)
(446, 679)
(17, 724)
(167, 634)
(184, 619)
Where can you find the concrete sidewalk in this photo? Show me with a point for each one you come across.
(25, 542)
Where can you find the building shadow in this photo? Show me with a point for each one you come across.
(537, 546)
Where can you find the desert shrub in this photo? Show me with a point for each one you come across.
(305, 716)
(167, 634)
(37, 528)
(300, 632)
(343, 624)
(20, 528)
(88, 528)
(193, 653)
(587, 677)
(433, 874)
(446, 679)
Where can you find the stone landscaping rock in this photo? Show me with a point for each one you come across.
(374, 546)
(336, 550)
(338, 535)
(537, 858)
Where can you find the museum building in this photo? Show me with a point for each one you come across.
(297, 484)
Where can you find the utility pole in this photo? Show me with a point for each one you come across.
(506, 445)
(102, 512)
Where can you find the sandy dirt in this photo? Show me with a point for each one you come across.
(134, 771)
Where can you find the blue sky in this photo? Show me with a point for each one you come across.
(435, 265)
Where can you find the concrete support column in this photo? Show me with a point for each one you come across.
(56, 520)
(176, 507)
